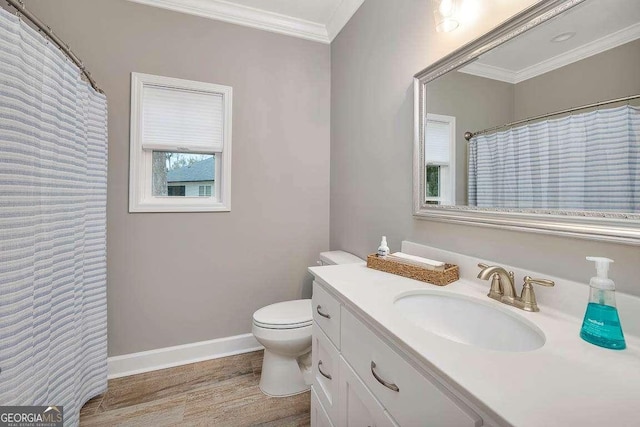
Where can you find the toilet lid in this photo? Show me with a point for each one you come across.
(285, 315)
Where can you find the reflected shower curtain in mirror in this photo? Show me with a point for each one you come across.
(53, 183)
(582, 162)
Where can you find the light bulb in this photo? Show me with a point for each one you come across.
(444, 12)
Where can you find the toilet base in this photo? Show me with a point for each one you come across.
(283, 376)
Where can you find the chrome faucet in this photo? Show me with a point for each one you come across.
(503, 288)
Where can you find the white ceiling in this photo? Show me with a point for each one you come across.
(598, 25)
(317, 20)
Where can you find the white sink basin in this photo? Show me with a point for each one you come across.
(469, 321)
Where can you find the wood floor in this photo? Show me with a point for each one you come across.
(220, 392)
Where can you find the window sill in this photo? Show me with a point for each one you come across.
(183, 206)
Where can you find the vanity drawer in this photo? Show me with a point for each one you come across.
(319, 417)
(358, 407)
(326, 372)
(326, 313)
(418, 401)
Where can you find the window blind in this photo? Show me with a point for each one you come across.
(438, 138)
(182, 120)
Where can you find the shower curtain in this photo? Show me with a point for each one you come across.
(53, 182)
(587, 161)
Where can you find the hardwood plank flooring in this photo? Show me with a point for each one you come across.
(220, 392)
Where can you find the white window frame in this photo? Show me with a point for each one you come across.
(447, 180)
(141, 198)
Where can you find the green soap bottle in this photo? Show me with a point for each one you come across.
(601, 324)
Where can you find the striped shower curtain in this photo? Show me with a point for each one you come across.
(586, 162)
(53, 183)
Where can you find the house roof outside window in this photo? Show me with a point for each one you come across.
(203, 170)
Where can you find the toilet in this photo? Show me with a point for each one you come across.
(284, 329)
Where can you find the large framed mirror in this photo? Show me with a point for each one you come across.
(535, 126)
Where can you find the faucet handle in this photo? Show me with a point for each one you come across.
(528, 297)
(544, 282)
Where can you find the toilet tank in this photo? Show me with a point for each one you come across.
(338, 257)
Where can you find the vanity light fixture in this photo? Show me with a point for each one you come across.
(563, 37)
(445, 14)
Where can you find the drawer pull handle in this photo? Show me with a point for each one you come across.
(327, 376)
(325, 315)
(388, 385)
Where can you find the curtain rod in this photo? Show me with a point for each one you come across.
(22, 10)
(469, 135)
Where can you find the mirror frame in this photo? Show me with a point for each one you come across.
(605, 226)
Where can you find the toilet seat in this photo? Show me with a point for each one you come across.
(284, 315)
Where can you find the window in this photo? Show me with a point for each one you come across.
(180, 145)
(204, 191)
(176, 190)
(439, 156)
(433, 184)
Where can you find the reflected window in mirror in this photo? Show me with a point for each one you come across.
(440, 159)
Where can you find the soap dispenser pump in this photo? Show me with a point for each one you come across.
(383, 249)
(601, 324)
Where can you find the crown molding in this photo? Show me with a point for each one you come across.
(490, 72)
(603, 44)
(343, 13)
(250, 17)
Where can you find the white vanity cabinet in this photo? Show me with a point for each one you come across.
(326, 313)
(358, 406)
(319, 417)
(411, 397)
(326, 372)
(325, 351)
(371, 383)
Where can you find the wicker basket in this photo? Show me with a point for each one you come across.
(450, 274)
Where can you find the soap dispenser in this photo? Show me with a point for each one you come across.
(383, 249)
(601, 324)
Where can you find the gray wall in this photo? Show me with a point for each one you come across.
(477, 103)
(182, 278)
(608, 75)
(373, 61)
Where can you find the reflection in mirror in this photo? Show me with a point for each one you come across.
(534, 144)
(440, 160)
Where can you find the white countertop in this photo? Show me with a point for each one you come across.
(567, 382)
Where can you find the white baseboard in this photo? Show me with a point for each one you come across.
(168, 357)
